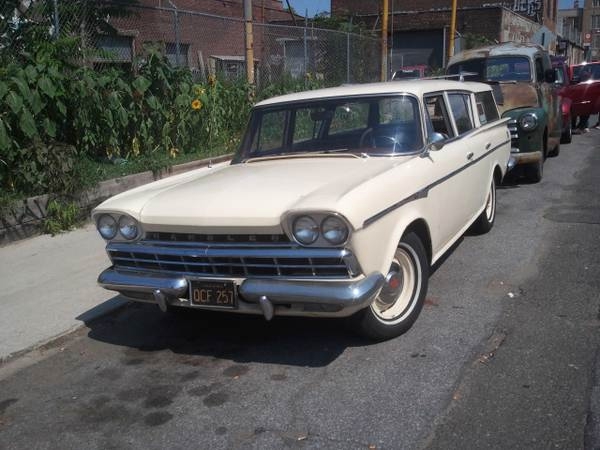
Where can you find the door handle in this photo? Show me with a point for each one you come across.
(488, 145)
(470, 156)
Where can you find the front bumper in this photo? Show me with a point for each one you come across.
(267, 296)
(517, 158)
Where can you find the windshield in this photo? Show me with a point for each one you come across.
(586, 72)
(375, 125)
(501, 68)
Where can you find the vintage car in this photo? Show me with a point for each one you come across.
(523, 81)
(562, 77)
(584, 89)
(336, 204)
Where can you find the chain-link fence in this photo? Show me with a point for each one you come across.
(118, 33)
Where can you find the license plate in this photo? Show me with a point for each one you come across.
(220, 294)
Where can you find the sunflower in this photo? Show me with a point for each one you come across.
(196, 104)
(212, 80)
(199, 90)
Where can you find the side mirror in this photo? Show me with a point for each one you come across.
(435, 141)
(550, 76)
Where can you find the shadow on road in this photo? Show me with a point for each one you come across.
(239, 338)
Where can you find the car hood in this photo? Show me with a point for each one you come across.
(254, 194)
(515, 95)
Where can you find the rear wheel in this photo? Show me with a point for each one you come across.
(401, 299)
(485, 221)
(567, 135)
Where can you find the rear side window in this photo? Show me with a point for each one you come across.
(461, 110)
(438, 120)
(486, 107)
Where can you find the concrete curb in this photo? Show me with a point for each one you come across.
(27, 219)
(95, 313)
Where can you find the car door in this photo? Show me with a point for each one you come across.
(451, 188)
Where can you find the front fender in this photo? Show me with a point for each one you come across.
(375, 244)
(529, 141)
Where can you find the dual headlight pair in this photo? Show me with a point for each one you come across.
(109, 226)
(307, 230)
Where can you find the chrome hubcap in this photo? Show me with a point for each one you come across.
(402, 284)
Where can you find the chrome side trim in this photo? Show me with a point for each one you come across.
(422, 193)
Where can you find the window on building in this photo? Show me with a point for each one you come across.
(596, 21)
(114, 49)
(596, 3)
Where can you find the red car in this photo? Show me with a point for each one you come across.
(584, 89)
(562, 83)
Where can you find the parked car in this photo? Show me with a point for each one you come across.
(562, 82)
(523, 81)
(336, 204)
(584, 89)
(411, 72)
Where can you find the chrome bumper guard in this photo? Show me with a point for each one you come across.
(343, 297)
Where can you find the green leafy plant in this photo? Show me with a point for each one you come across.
(61, 216)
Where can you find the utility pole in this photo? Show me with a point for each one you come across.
(452, 29)
(249, 41)
(384, 41)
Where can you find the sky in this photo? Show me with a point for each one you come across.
(313, 6)
(316, 6)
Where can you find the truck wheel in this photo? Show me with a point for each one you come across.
(485, 221)
(401, 299)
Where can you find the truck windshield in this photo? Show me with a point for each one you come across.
(375, 125)
(499, 68)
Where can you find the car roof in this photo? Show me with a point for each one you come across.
(415, 87)
(504, 49)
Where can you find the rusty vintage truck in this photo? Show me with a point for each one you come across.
(522, 77)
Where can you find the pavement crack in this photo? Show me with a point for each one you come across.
(492, 345)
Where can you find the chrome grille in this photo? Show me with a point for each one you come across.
(514, 131)
(157, 236)
(231, 261)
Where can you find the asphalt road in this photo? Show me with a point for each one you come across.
(504, 355)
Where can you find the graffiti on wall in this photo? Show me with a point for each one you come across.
(531, 8)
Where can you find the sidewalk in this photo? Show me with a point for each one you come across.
(49, 288)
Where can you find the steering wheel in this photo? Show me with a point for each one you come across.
(384, 141)
(363, 136)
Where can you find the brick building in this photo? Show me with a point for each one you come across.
(204, 35)
(591, 29)
(419, 29)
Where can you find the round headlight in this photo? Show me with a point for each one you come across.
(107, 226)
(306, 230)
(528, 121)
(334, 230)
(128, 227)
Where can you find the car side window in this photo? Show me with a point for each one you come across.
(539, 70)
(437, 120)
(460, 105)
(486, 107)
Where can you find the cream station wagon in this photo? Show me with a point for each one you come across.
(336, 204)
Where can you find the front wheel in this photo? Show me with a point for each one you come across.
(401, 299)
(485, 221)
